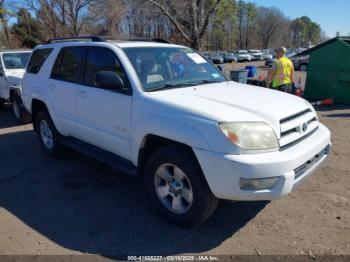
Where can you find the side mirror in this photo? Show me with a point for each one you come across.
(109, 80)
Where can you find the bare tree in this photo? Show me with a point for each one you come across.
(269, 20)
(190, 17)
(251, 14)
(77, 14)
(62, 16)
(107, 14)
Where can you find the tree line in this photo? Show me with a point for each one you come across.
(201, 24)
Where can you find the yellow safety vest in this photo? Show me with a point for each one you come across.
(283, 73)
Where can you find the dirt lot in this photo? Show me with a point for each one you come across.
(77, 205)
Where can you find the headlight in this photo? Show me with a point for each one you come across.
(250, 135)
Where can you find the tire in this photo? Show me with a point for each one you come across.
(168, 198)
(17, 109)
(48, 135)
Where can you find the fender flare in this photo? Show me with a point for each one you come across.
(37, 96)
(167, 128)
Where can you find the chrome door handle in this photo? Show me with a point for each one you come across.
(82, 94)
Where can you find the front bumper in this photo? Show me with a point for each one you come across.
(292, 166)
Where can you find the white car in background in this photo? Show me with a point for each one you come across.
(12, 68)
(257, 55)
(243, 55)
(266, 55)
(165, 113)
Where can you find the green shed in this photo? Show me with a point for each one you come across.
(329, 71)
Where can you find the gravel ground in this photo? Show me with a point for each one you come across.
(76, 205)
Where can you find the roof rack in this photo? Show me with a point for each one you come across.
(159, 40)
(93, 38)
(75, 38)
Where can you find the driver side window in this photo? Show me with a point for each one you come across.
(102, 59)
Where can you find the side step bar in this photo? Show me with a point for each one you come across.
(102, 155)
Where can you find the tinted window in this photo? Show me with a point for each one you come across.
(160, 67)
(102, 59)
(16, 60)
(68, 64)
(37, 60)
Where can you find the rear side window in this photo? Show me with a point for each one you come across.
(68, 64)
(37, 59)
(102, 59)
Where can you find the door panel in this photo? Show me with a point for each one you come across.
(66, 78)
(104, 119)
(104, 115)
(63, 100)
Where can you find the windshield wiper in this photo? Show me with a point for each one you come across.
(208, 81)
(184, 84)
(170, 86)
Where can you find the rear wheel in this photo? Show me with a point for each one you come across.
(48, 135)
(176, 187)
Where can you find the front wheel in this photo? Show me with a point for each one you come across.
(177, 188)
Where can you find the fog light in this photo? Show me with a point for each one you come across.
(257, 183)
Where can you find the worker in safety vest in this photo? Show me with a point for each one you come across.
(280, 76)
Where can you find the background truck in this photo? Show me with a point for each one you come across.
(12, 68)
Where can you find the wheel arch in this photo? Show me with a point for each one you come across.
(14, 91)
(151, 143)
(36, 107)
(165, 130)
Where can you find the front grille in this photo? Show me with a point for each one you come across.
(310, 163)
(296, 127)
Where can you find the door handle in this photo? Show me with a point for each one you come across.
(82, 94)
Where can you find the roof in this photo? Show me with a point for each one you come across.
(124, 44)
(308, 51)
(120, 44)
(98, 40)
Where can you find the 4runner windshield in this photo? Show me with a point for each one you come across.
(171, 67)
(16, 60)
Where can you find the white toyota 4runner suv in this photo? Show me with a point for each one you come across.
(12, 67)
(165, 113)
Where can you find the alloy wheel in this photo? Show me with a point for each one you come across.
(46, 134)
(173, 188)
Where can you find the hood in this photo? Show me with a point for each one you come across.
(14, 77)
(231, 101)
